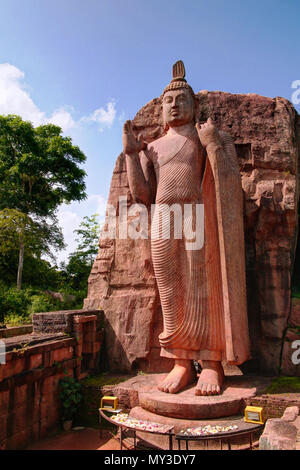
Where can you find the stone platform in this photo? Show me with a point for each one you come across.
(141, 391)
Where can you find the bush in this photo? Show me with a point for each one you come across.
(70, 396)
(17, 306)
(14, 301)
(41, 303)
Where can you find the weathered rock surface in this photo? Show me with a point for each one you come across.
(282, 433)
(267, 138)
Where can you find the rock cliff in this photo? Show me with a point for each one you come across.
(266, 133)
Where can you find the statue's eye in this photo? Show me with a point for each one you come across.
(168, 99)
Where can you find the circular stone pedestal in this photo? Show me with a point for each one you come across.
(142, 391)
(187, 405)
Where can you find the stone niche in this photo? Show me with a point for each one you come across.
(266, 132)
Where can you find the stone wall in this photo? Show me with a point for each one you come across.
(266, 135)
(29, 380)
(15, 331)
(59, 321)
(274, 406)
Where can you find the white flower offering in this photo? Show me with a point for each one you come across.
(123, 418)
(208, 430)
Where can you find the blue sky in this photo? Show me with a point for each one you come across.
(90, 65)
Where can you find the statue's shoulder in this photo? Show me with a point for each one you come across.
(155, 148)
(156, 144)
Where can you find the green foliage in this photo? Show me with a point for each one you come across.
(38, 167)
(36, 235)
(14, 303)
(284, 385)
(103, 379)
(88, 237)
(39, 170)
(40, 303)
(80, 262)
(17, 306)
(70, 396)
(296, 292)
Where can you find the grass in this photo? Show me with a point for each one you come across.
(103, 379)
(16, 320)
(284, 385)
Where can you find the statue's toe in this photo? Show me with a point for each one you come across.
(162, 386)
(201, 389)
(174, 387)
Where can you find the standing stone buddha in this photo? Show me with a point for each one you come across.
(202, 291)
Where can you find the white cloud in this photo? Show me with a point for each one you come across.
(63, 119)
(15, 99)
(103, 116)
(99, 202)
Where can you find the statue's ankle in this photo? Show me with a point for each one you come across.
(215, 365)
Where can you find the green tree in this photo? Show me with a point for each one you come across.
(39, 170)
(80, 262)
(20, 231)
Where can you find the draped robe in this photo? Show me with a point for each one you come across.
(202, 291)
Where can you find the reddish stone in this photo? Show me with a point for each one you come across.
(278, 435)
(189, 406)
(19, 420)
(142, 391)
(12, 367)
(3, 425)
(59, 355)
(4, 401)
(35, 361)
(122, 281)
(88, 348)
(19, 440)
(3, 444)
(290, 413)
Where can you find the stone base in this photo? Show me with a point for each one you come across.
(142, 391)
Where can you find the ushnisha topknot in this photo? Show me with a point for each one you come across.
(178, 81)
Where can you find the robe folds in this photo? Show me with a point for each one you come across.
(202, 291)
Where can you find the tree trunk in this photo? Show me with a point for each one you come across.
(20, 267)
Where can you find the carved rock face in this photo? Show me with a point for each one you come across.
(178, 107)
(122, 282)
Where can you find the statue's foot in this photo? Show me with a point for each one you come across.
(211, 378)
(180, 376)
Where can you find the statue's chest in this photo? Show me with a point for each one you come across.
(176, 153)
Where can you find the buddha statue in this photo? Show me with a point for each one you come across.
(201, 288)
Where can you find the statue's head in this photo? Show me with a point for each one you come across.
(178, 100)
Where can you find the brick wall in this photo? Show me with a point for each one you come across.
(15, 331)
(29, 380)
(273, 406)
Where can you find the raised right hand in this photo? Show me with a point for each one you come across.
(131, 143)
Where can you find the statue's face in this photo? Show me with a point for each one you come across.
(178, 107)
